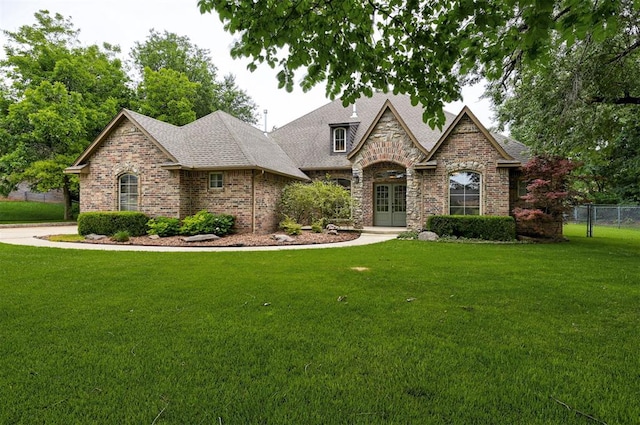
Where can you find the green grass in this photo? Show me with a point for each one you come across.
(30, 212)
(496, 334)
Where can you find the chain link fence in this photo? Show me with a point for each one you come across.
(607, 215)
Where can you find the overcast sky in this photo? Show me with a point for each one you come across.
(126, 22)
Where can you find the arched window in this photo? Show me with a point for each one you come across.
(128, 192)
(464, 193)
(339, 139)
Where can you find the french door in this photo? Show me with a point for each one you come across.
(390, 205)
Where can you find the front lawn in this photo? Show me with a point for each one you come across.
(423, 333)
(30, 212)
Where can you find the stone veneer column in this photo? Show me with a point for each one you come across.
(357, 187)
(414, 200)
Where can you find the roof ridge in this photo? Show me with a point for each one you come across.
(223, 118)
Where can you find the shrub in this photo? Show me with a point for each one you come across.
(111, 222)
(308, 202)
(408, 235)
(290, 226)
(205, 223)
(122, 236)
(494, 228)
(164, 226)
(318, 226)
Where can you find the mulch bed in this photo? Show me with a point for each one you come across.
(239, 240)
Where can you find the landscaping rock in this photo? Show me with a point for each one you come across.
(94, 237)
(330, 227)
(154, 236)
(428, 236)
(332, 232)
(201, 238)
(283, 238)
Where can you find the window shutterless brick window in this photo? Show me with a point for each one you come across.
(339, 139)
(464, 193)
(215, 181)
(128, 192)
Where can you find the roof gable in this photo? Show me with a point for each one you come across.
(123, 115)
(215, 141)
(466, 112)
(307, 139)
(387, 106)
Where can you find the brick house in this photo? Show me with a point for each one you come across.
(398, 169)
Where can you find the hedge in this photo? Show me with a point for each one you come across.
(493, 228)
(109, 223)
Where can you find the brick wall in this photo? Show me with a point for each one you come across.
(176, 193)
(269, 189)
(467, 149)
(127, 150)
(236, 197)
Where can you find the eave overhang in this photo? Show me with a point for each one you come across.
(77, 169)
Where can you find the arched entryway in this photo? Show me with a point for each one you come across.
(389, 195)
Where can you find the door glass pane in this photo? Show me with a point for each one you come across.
(382, 198)
(400, 198)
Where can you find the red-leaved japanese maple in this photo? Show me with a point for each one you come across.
(548, 195)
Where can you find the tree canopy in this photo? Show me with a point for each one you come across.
(57, 96)
(168, 51)
(423, 48)
(584, 104)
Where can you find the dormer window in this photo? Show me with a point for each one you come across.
(340, 139)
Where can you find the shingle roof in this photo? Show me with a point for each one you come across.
(219, 141)
(307, 139)
(517, 150)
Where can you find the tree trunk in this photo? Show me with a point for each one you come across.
(66, 195)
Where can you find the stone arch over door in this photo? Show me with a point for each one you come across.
(384, 194)
(387, 142)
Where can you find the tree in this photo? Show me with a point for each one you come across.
(50, 126)
(548, 198)
(171, 52)
(168, 51)
(426, 49)
(584, 105)
(167, 95)
(235, 101)
(57, 97)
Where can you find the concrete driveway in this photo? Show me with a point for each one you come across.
(28, 235)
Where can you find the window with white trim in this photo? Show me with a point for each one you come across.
(215, 181)
(339, 139)
(464, 193)
(128, 192)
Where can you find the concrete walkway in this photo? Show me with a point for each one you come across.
(28, 236)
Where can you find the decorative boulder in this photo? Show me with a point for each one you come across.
(200, 238)
(283, 238)
(94, 237)
(428, 236)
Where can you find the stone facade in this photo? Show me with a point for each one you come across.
(387, 147)
(466, 148)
